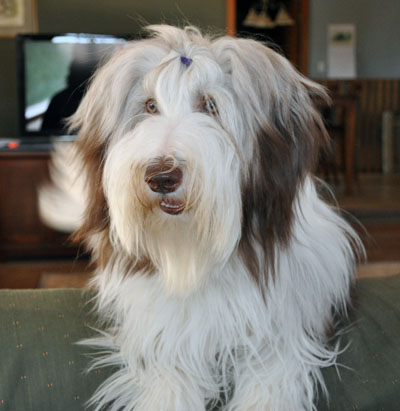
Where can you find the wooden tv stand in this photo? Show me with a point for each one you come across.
(22, 234)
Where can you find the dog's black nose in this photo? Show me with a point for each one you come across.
(161, 178)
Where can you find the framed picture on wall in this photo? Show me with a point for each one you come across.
(17, 16)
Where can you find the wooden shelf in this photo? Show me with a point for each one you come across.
(292, 40)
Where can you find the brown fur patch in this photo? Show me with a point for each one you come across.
(281, 162)
(96, 216)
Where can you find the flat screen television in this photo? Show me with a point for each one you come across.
(53, 71)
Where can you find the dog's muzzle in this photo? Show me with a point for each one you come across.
(165, 178)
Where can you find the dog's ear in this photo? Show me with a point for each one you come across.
(286, 131)
(92, 124)
(96, 119)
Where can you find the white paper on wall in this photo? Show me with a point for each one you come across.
(342, 51)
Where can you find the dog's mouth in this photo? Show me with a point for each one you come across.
(171, 206)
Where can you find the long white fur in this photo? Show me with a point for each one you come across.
(200, 325)
(62, 203)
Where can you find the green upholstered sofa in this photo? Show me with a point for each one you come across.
(42, 369)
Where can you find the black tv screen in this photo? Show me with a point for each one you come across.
(53, 73)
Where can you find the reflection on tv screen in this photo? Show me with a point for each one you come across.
(56, 72)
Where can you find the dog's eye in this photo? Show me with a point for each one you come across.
(151, 106)
(208, 105)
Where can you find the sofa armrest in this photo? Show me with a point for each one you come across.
(41, 366)
(368, 375)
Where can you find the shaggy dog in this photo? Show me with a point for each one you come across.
(219, 269)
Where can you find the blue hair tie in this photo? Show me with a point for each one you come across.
(186, 61)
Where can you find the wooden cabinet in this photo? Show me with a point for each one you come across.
(22, 234)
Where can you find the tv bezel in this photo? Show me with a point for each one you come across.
(21, 39)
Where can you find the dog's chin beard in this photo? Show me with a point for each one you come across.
(184, 244)
(180, 255)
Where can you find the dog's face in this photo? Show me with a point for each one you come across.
(195, 149)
